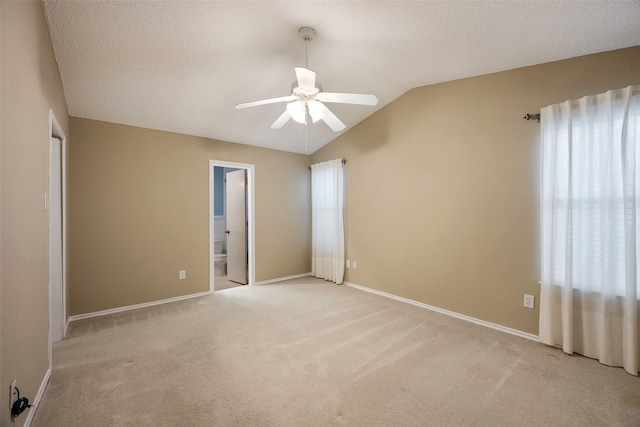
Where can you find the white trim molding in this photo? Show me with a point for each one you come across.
(136, 306)
(56, 130)
(36, 401)
(280, 279)
(484, 323)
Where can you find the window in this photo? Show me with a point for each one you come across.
(590, 222)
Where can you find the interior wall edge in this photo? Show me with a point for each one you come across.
(38, 398)
(116, 310)
(281, 279)
(449, 313)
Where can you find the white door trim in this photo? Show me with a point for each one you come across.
(56, 130)
(250, 168)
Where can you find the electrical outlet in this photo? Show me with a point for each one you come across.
(353, 263)
(13, 393)
(182, 274)
(529, 301)
(348, 264)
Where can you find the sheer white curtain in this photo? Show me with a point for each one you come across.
(590, 195)
(327, 220)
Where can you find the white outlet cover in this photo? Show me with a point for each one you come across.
(353, 263)
(348, 264)
(182, 274)
(13, 393)
(529, 301)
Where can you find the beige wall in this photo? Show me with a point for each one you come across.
(30, 86)
(442, 186)
(139, 206)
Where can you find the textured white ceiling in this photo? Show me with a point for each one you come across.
(181, 66)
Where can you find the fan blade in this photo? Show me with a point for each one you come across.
(306, 78)
(281, 121)
(265, 102)
(331, 120)
(348, 98)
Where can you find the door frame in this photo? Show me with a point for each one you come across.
(251, 217)
(55, 130)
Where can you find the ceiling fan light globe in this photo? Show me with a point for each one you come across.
(316, 110)
(296, 110)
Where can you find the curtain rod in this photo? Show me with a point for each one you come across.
(344, 162)
(535, 116)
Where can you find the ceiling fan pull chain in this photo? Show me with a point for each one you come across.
(306, 128)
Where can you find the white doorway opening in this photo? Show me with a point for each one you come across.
(250, 210)
(56, 204)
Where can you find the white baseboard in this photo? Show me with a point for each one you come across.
(280, 279)
(66, 327)
(136, 306)
(495, 326)
(36, 401)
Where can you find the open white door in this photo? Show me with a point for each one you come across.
(236, 205)
(56, 320)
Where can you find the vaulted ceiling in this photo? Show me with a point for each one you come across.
(181, 66)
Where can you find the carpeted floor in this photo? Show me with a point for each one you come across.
(309, 353)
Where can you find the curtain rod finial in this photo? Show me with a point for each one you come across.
(532, 117)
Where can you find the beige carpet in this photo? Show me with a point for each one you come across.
(309, 353)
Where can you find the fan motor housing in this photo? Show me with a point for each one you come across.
(296, 91)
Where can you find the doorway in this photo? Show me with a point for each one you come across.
(231, 224)
(56, 202)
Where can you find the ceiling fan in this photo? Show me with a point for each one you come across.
(307, 97)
